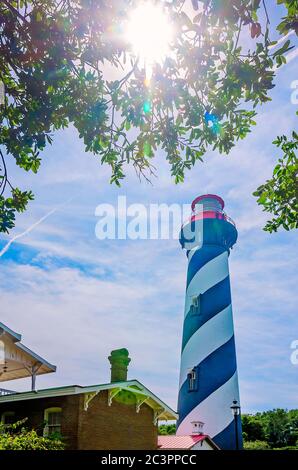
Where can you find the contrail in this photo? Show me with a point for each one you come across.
(282, 39)
(29, 229)
(289, 57)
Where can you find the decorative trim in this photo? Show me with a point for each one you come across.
(112, 394)
(140, 402)
(88, 397)
(157, 414)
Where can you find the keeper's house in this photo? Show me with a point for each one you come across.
(122, 414)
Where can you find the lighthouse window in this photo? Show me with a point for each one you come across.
(196, 304)
(193, 380)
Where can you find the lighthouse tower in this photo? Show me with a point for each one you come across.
(208, 373)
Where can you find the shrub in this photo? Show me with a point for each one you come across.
(256, 445)
(167, 429)
(17, 437)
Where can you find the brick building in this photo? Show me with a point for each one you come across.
(122, 414)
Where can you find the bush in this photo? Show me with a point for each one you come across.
(16, 437)
(167, 429)
(256, 445)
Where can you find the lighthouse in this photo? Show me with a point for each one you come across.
(208, 384)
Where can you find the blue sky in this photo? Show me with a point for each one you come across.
(74, 297)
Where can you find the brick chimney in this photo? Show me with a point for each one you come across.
(119, 361)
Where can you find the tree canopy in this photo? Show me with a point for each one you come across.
(53, 60)
(271, 429)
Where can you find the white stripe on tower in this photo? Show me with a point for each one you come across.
(210, 274)
(214, 411)
(209, 337)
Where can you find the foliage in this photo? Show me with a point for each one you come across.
(256, 445)
(167, 429)
(281, 427)
(279, 195)
(16, 437)
(203, 96)
(252, 428)
(290, 21)
(278, 428)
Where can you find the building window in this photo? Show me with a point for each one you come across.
(52, 418)
(8, 417)
(192, 377)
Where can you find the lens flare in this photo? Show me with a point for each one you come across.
(147, 107)
(213, 122)
(149, 32)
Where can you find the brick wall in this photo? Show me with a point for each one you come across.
(118, 426)
(34, 411)
(101, 427)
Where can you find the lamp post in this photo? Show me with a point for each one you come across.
(236, 412)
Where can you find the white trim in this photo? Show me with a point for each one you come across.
(16, 337)
(112, 394)
(13, 334)
(139, 403)
(38, 358)
(88, 397)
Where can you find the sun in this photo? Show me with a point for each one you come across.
(149, 32)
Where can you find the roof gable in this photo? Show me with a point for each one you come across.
(20, 361)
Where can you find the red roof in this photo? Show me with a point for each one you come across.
(182, 442)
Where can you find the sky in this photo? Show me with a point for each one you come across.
(74, 298)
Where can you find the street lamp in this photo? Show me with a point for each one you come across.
(236, 412)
